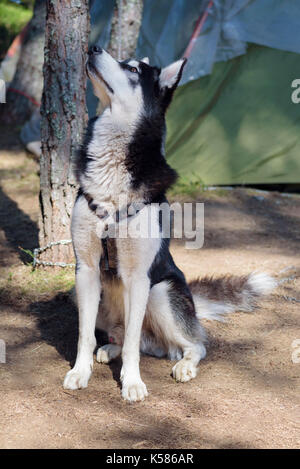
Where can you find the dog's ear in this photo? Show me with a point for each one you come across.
(170, 76)
(145, 60)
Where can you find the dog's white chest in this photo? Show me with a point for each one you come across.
(106, 178)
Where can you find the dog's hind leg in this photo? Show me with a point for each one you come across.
(186, 368)
(88, 289)
(108, 352)
(171, 316)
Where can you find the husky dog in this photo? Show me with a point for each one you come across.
(146, 304)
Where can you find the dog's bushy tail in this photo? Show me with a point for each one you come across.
(214, 297)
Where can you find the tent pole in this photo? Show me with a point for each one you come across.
(199, 25)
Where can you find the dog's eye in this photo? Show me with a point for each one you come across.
(133, 69)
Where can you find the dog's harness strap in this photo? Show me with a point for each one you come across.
(105, 254)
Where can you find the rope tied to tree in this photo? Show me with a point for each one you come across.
(38, 251)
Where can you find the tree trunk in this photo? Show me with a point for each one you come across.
(64, 118)
(125, 29)
(28, 78)
(131, 16)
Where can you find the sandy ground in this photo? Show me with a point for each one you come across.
(246, 394)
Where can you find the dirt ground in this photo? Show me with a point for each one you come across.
(246, 394)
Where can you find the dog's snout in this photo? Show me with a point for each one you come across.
(95, 50)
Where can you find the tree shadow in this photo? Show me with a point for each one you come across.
(269, 224)
(10, 138)
(19, 229)
(57, 321)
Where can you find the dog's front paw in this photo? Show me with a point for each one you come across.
(134, 391)
(184, 370)
(77, 379)
(107, 353)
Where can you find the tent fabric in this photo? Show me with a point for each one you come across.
(31, 130)
(101, 13)
(239, 124)
(167, 28)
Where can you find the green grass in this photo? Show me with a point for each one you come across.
(13, 18)
(194, 187)
(188, 186)
(23, 285)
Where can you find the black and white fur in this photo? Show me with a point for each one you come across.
(146, 305)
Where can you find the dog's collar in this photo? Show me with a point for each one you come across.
(129, 211)
(97, 209)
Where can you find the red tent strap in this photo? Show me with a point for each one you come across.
(199, 25)
(32, 100)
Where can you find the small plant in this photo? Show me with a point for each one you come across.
(29, 253)
(191, 186)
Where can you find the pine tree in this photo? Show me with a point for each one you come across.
(64, 118)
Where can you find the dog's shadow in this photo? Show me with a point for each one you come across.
(57, 321)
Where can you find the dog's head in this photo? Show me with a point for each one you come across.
(132, 86)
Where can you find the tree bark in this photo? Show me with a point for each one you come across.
(131, 17)
(124, 36)
(64, 118)
(28, 78)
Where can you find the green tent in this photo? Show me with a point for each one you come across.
(239, 124)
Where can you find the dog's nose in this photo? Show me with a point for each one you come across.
(95, 50)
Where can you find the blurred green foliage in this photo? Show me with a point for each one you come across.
(13, 17)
